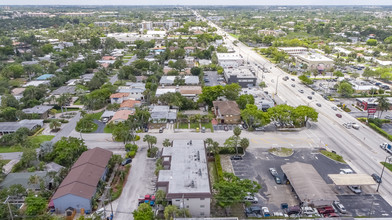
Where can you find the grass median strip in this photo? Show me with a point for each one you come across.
(333, 156)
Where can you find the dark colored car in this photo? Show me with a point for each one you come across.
(293, 210)
(253, 211)
(237, 157)
(326, 210)
(309, 97)
(278, 180)
(318, 104)
(376, 178)
(338, 115)
(126, 161)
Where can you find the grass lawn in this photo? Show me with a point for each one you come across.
(281, 151)
(37, 140)
(77, 102)
(96, 116)
(183, 126)
(194, 125)
(106, 129)
(212, 172)
(4, 161)
(207, 126)
(387, 165)
(234, 35)
(10, 149)
(333, 156)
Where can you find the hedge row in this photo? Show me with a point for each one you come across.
(48, 120)
(218, 167)
(380, 131)
(230, 150)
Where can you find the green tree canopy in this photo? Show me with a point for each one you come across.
(143, 212)
(254, 117)
(66, 151)
(345, 89)
(231, 91)
(245, 99)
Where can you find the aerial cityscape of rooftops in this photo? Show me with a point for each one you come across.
(201, 112)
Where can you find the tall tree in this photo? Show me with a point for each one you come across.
(383, 104)
(231, 91)
(166, 143)
(151, 140)
(143, 212)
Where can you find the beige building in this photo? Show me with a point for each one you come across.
(185, 177)
(315, 61)
(227, 112)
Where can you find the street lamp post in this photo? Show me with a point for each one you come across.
(387, 158)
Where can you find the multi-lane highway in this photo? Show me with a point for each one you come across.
(360, 148)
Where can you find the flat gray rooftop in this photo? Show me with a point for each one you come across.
(188, 171)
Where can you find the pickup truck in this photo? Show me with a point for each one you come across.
(387, 147)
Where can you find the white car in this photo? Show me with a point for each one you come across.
(346, 171)
(251, 199)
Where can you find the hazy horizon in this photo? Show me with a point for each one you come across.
(202, 2)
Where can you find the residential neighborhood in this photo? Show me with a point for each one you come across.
(175, 112)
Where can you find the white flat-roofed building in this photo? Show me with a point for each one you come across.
(229, 60)
(185, 176)
(315, 61)
(263, 101)
(293, 50)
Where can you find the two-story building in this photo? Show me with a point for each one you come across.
(243, 76)
(227, 112)
(229, 60)
(185, 177)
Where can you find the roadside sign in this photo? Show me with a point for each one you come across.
(372, 110)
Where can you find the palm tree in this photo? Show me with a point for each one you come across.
(63, 100)
(237, 133)
(166, 143)
(151, 140)
(244, 143)
(383, 104)
(54, 124)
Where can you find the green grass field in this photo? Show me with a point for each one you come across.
(333, 156)
(35, 142)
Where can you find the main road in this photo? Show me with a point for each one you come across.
(360, 148)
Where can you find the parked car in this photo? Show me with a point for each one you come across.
(331, 215)
(236, 157)
(338, 115)
(292, 79)
(355, 189)
(346, 171)
(278, 180)
(253, 211)
(161, 130)
(339, 207)
(203, 130)
(309, 211)
(376, 178)
(325, 210)
(293, 210)
(251, 199)
(273, 172)
(265, 211)
(126, 161)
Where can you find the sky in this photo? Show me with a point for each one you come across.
(195, 2)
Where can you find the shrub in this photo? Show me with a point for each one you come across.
(131, 154)
(380, 131)
(137, 137)
(152, 152)
(131, 147)
(218, 166)
(230, 150)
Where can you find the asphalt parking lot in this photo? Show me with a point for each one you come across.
(256, 164)
(212, 76)
(372, 205)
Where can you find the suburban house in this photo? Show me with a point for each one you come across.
(107, 115)
(11, 127)
(189, 80)
(162, 114)
(186, 91)
(118, 98)
(129, 104)
(229, 60)
(23, 179)
(41, 110)
(80, 185)
(185, 177)
(227, 112)
(135, 90)
(243, 76)
(121, 115)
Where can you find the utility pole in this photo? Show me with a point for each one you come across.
(9, 208)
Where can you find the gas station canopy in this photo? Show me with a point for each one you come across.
(352, 179)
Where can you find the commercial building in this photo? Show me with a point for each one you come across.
(315, 61)
(263, 101)
(189, 80)
(227, 112)
(293, 50)
(80, 185)
(229, 60)
(185, 177)
(242, 75)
